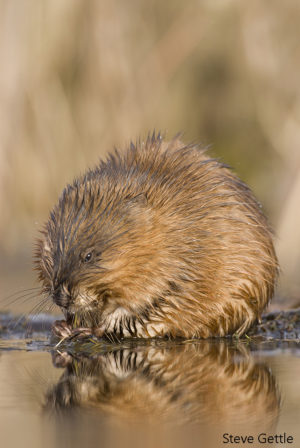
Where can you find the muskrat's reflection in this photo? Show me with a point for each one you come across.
(201, 382)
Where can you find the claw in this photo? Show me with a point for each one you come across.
(61, 329)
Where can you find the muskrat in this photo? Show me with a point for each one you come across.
(158, 241)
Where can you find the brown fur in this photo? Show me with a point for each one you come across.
(179, 246)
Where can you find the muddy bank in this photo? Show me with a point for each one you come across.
(278, 325)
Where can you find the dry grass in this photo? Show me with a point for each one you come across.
(79, 77)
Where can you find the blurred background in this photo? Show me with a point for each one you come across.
(80, 77)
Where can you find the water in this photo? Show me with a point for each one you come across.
(147, 394)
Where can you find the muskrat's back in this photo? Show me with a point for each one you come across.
(159, 240)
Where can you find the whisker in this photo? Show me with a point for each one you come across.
(43, 307)
(22, 298)
(34, 311)
(39, 304)
(21, 292)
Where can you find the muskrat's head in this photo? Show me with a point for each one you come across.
(95, 248)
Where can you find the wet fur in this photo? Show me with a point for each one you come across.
(180, 246)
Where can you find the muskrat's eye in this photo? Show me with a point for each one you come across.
(88, 257)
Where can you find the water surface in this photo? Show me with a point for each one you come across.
(147, 393)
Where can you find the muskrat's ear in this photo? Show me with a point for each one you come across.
(139, 199)
(137, 206)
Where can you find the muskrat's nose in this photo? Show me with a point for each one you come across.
(61, 298)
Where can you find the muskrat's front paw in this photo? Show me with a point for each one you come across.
(81, 333)
(61, 329)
